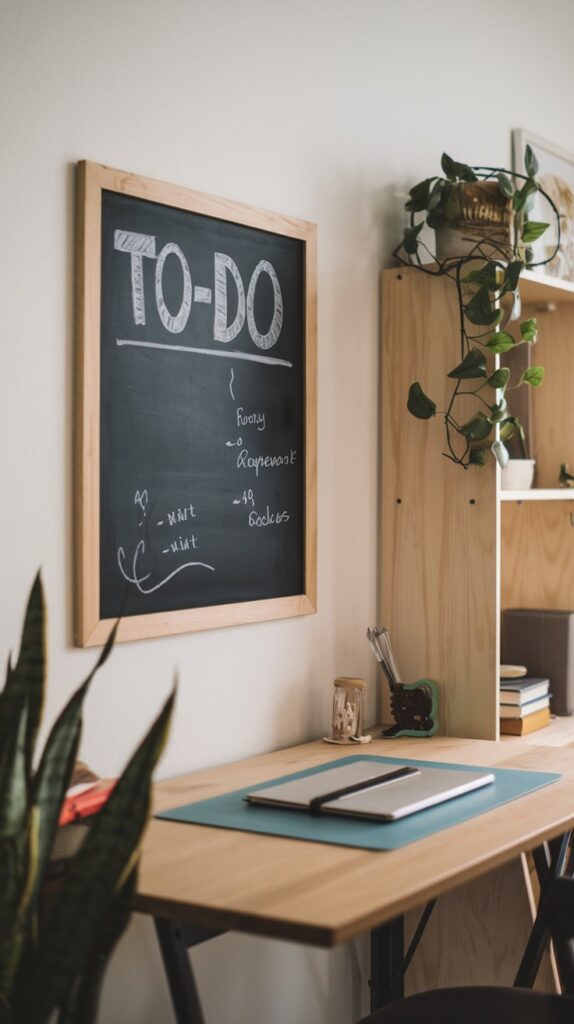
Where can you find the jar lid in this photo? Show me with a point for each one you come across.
(350, 683)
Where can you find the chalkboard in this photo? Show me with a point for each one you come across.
(196, 410)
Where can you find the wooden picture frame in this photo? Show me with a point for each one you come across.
(91, 627)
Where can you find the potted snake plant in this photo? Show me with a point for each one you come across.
(52, 961)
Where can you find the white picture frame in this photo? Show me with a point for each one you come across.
(556, 177)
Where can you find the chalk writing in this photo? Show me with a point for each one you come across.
(245, 419)
(138, 581)
(257, 462)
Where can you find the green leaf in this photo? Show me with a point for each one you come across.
(472, 366)
(498, 411)
(27, 679)
(94, 876)
(480, 309)
(507, 427)
(13, 837)
(520, 197)
(534, 376)
(501, 454)
(419, 196)
(532, 230)
(454, 170)
(477, 456)
(505, 185)
(528, 255)
(419, 404)
(85, 1000)
(410, 238)
(485, 275)
(436, 219)
(530, 162)
(511, 276)
(500, 378)
(500, 342)
(436, 194)
(528, 329)
(57, 762)
(478, 427)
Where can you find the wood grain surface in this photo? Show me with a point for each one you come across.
(323, 894)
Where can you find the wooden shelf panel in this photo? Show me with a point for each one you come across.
(539, 494)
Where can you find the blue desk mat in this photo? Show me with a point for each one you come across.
(231, 810)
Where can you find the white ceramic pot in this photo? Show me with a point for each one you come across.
(518, 475)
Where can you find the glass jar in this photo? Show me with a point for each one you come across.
(348, 709)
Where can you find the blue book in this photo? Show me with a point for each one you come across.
(522, 691)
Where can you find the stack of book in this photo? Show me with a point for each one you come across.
(524, 705)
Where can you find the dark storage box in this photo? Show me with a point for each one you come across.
(544, 642)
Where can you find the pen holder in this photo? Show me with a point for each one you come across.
(414, 707)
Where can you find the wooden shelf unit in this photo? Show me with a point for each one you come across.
(455, 548)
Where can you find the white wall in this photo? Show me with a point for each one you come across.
(327, 110)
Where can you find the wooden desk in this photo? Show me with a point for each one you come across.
(223, 880)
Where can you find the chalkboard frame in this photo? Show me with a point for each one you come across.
(90, 628)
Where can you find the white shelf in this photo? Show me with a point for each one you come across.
(539, 494)
(537, 288)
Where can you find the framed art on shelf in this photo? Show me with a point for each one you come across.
(556, 177)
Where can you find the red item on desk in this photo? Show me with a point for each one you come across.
(83, 805)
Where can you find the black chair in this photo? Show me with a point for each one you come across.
(489, 1005)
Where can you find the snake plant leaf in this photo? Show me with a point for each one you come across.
(419, 404)
(13, 836)
(56, 766)
(479, 310)
(13, 940)
(28, 675)
(92, 879)
(83, 1007)
(472, 367)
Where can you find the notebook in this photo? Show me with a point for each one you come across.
(381, 800)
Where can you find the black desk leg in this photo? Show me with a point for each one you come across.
(387, 956)
(550, 861)
(175, 954)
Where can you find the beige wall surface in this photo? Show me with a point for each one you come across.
(328, 111)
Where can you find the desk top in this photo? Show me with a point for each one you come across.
(309, 892)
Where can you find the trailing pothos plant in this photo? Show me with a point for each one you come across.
(489, 307)
(52, 959)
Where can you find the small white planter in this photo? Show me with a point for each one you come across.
(518, 475)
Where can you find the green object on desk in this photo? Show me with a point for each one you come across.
(231, 810)
(415, 710)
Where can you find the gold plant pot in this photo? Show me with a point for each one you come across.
(479, 223)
